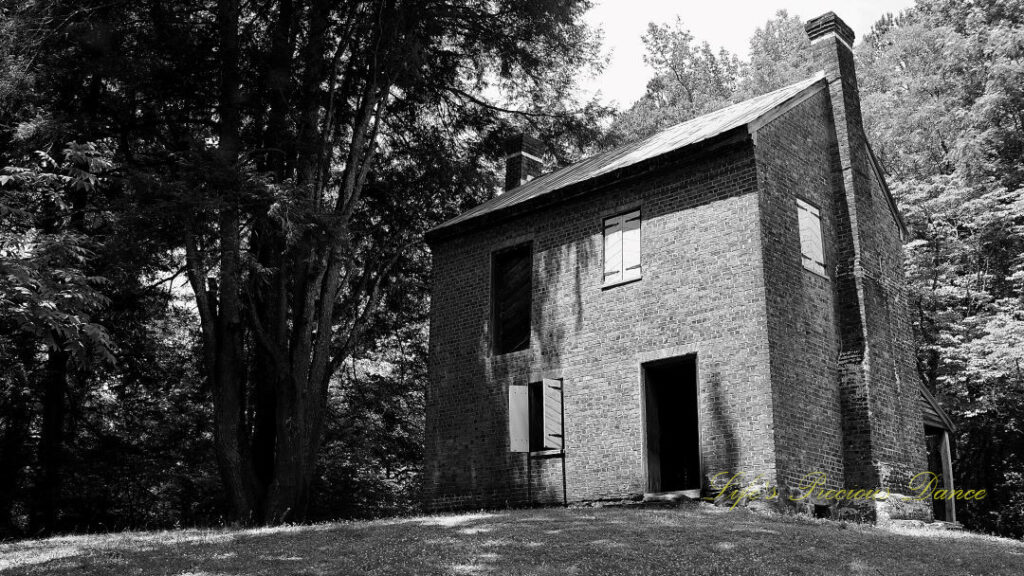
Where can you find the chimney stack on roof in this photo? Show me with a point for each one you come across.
(522, 160)
(829, 23)
(832, 50)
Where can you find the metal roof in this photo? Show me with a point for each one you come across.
(690, 132)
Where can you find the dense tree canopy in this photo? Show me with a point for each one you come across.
(285, 158)
(944, 107)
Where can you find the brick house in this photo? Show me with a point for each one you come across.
(724, 297)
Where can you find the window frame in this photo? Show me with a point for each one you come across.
(624, 274)
(537, 426)
(495, 331)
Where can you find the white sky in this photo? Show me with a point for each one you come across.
(723, 23)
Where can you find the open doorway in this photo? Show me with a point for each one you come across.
(940, 464)
(672, 431)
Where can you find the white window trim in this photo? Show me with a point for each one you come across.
(635, 272)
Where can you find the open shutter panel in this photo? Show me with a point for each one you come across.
(811, 249)
(817, 246)
(631, 246)
(553, 414)
(519, 418)
(612, 250)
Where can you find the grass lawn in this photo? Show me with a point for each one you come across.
(693, 539)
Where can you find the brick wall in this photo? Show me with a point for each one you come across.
(793, 155)
(702, 292)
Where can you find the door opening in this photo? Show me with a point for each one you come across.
(940, 464)
(672, 431)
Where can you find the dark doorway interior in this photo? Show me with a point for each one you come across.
(673, 433)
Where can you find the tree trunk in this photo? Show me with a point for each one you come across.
(13, 452)
(46, 502)
(300, 419)
(227, 376)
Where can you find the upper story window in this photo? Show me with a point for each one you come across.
(512, 291)
(812, 252)
(622, 248)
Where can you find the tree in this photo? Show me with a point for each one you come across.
(48, 298)
(943, 105)
(303, 284)
(285, 156)
(780, 54)
(689, 79)
(253, 132)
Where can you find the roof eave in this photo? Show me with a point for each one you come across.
(689, 153)
(889, 198)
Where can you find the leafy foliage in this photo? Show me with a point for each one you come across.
(941, 86)
(284, 158)
(45, 286)
(691, 79)
(49, 299)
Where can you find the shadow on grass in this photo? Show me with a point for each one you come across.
(689, 540)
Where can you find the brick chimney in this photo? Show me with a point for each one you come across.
(878, 395)
(522, 160)
(832, 46)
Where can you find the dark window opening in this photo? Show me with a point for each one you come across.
(822, 511)
(512, 290)
(672, 427)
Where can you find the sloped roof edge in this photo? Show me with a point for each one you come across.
(752, 113)
(934, 403)
(880, 174)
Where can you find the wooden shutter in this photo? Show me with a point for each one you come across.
(811, 250)
(552, 414)
(631, 246)
(612, 250)
(519, 418)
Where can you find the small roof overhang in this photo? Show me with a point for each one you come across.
(933, 413)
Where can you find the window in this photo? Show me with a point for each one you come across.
(622, 248)
(512, 298)
(811, 251)
(535, 416)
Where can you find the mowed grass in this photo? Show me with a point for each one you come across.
(693, 539)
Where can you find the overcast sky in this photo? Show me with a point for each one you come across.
(723, 23)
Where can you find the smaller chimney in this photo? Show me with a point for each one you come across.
(522, 160)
